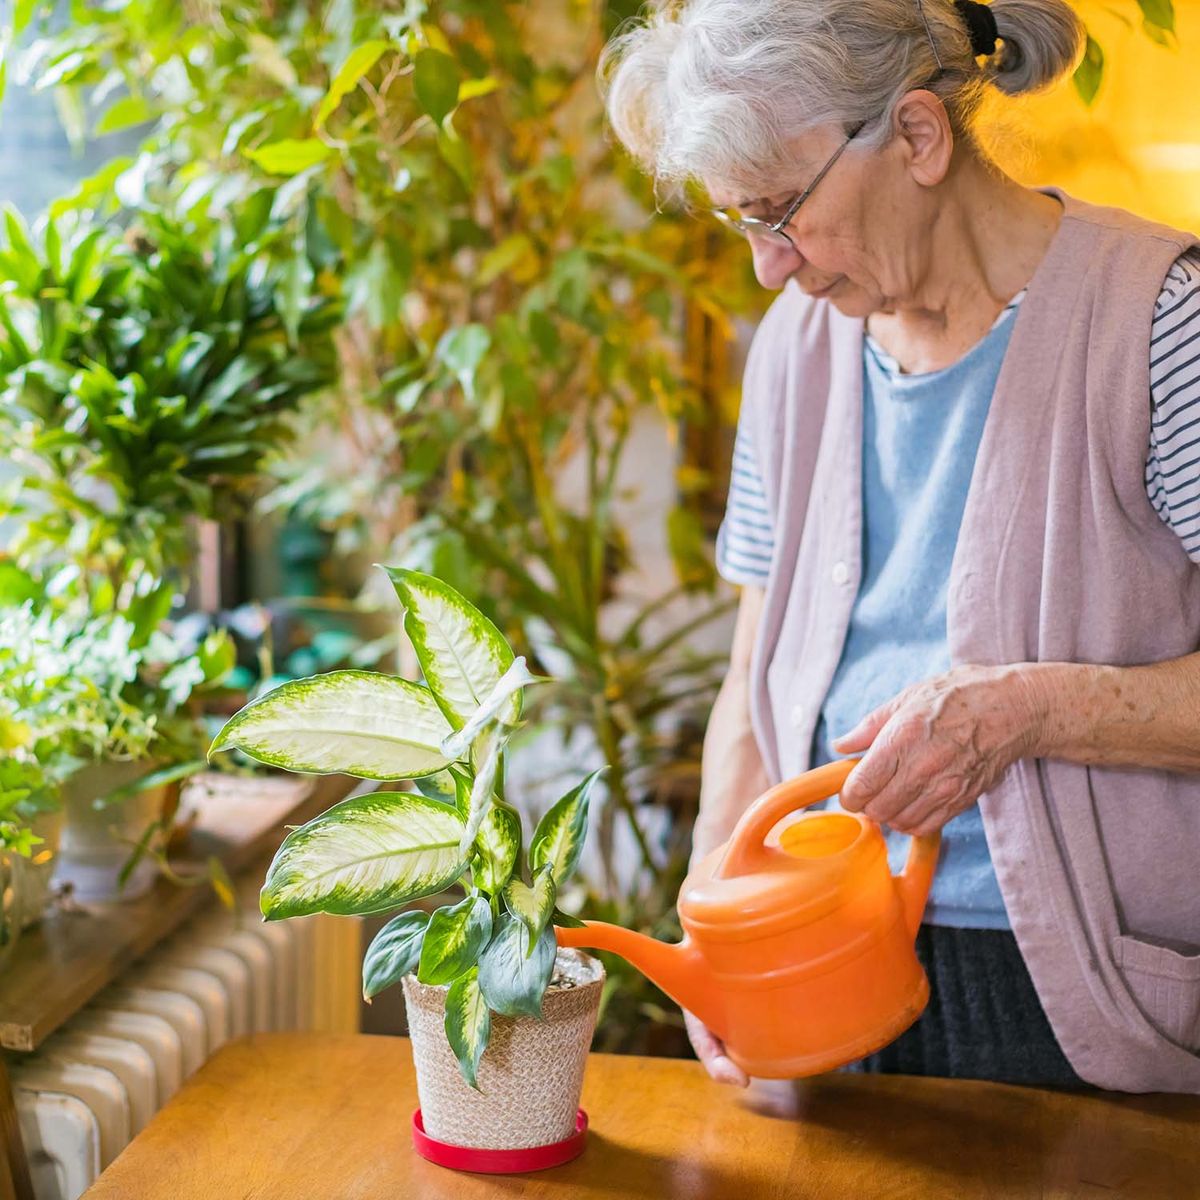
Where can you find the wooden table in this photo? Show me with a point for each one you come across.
(301, 1116)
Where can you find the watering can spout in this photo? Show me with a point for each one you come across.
(677, 969)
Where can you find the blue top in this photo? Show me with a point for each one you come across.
(920, 437)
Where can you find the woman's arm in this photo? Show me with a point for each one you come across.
(1119, 716)
(731, 776)
(732, 773)
(936, 748)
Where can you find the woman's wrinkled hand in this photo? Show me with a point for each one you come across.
(934, 749)
(710, 1050)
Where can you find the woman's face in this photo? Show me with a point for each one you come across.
(860, 238)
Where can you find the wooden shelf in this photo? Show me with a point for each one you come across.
(61, 963)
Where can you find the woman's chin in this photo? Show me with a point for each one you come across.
(852, 302)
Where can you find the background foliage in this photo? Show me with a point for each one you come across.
(508, 319)
(143, 382)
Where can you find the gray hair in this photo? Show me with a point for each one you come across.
(717, 88)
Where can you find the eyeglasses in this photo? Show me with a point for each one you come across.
(756, 227)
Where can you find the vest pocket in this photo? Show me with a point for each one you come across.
(1166, 986)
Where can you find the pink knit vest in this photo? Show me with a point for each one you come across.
(1060, 558)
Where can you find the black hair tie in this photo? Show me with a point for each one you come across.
(981, 26)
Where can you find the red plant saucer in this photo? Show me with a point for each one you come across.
(499, 1162)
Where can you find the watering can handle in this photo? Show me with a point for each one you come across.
(747, 851)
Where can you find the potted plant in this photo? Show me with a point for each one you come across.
(501, 1020)
(107, 712)
(144, 381)
(21, 779)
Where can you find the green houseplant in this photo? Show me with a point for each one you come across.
(485, 961)
(509, 319)
(23, 785)
(144, 381)
(109, 717)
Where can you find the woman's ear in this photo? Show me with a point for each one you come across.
(926, 139)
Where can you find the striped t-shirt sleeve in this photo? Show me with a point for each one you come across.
(746, 537)
(1173, 465)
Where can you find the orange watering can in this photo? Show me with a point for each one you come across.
(798, 942)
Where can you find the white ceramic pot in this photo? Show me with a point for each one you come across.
(98, 841)
(10, 901)
(37, 871)
(531, 1074)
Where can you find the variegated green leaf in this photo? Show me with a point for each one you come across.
(356, 722)
(532, 906)
(480, 802)
(461, 653)
(462, 794)
(495, 703)
(558, 838)
(442, 786)
(367, 854)
(497, 848)
(456, 935)
(468, 1024)
(513, 980)
(394, 952)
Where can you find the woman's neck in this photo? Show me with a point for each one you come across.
(983, 245)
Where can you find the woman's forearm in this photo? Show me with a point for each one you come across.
(732, 772)
(1146, 716)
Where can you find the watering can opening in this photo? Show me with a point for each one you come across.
(820, 835)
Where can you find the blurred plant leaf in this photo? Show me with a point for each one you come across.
(1090, 71)
(290, 156)
(436, 78)
(359, 61)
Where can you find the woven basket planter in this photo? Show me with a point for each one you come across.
(531, 1074)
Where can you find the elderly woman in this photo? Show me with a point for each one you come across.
(964, 513)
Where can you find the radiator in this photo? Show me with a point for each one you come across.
(96, 1082)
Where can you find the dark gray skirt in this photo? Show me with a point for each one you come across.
(984, 1019)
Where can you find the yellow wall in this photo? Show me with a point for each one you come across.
(1138, 146)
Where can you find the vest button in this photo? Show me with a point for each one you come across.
(840, 573)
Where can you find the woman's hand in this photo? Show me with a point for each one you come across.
(934, 749)
(710, 1050)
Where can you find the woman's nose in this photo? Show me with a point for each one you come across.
(774, 261)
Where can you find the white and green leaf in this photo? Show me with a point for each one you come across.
(559, 836)
(365, 855)
(354, 722)
(513, 979)
(454, 939)
(394, 952)
(532, 906)
(461, 653)
(497, 848)
(468, 1024)
(494, 704)
(441, 786)
(479, 803)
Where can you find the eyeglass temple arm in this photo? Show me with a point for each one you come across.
(780, 225)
